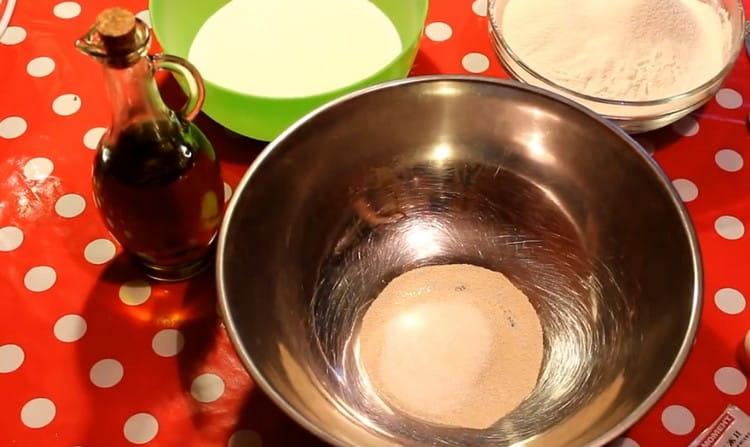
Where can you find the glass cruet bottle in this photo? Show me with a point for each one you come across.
(157, 181)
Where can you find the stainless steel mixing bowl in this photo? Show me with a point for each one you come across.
(461, 170)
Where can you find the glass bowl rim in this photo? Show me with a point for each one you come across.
(737, 43)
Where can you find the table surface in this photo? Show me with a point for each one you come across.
(92, 354)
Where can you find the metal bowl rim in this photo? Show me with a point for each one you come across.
(666, 184)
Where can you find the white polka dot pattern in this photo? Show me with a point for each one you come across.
(67, 104)
(729, 227)
(479, 7)
(100, 251)
(678, 420)
(42, 153)
(141, 428)
(475, 63)
(40, 67)
(38, 412)
(11, 358)
(729, 98)
(687, 127)
(687, 189)
(70, 205)
(730, 301)
(168, 342)
(38, 168)
(730, 380)
(40, 278)
(135, 292)
(438, 31)
(10, 238)
(13, 35)
(12, 127)
(145, 16)
(93, 136)
(70, 328)
(729, 160)
(207, 388)
(67, 10)
(106, 373)
(227, 192)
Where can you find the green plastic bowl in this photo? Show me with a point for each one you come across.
(176, 24)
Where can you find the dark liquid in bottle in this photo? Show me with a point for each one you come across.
(159, 189)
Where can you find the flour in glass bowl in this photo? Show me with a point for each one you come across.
(628, 50)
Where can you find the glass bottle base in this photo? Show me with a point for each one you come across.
(173, 273)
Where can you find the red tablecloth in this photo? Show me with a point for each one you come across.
(92, 354)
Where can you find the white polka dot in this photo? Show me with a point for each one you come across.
(168, 342)
(38, 413)
(245, 438)
(99, 251)
(479, 7)
(145, 16)
(10, 238)
(730, 381)
(729, 98)
(40, 67)
(134, 293)
(40, 278)
(70, 328)
(438, 31)
(729, 160)
(475, 63)
(70, 205)
(624, 442)
(67, 10)
(66, 104)
(227, 192)
(729, 227)
(13, 35)
(678, 420)
(12, 127)
(687, 127)
(38, 168)
(93, 136)
(140, 428)
(106, 373)
(687, 189)
(730, 301)
(207, 388)
(11, 358)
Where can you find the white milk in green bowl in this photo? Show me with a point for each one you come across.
(294, 48)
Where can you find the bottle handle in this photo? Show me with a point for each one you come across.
(196, 91)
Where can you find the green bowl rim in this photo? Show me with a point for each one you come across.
(327, 94)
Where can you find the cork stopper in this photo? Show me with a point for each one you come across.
(117, 31)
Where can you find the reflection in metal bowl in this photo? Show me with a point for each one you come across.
(461, 170)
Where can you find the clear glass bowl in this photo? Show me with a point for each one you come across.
(632, 116)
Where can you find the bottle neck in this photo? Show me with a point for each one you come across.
(134, 95)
